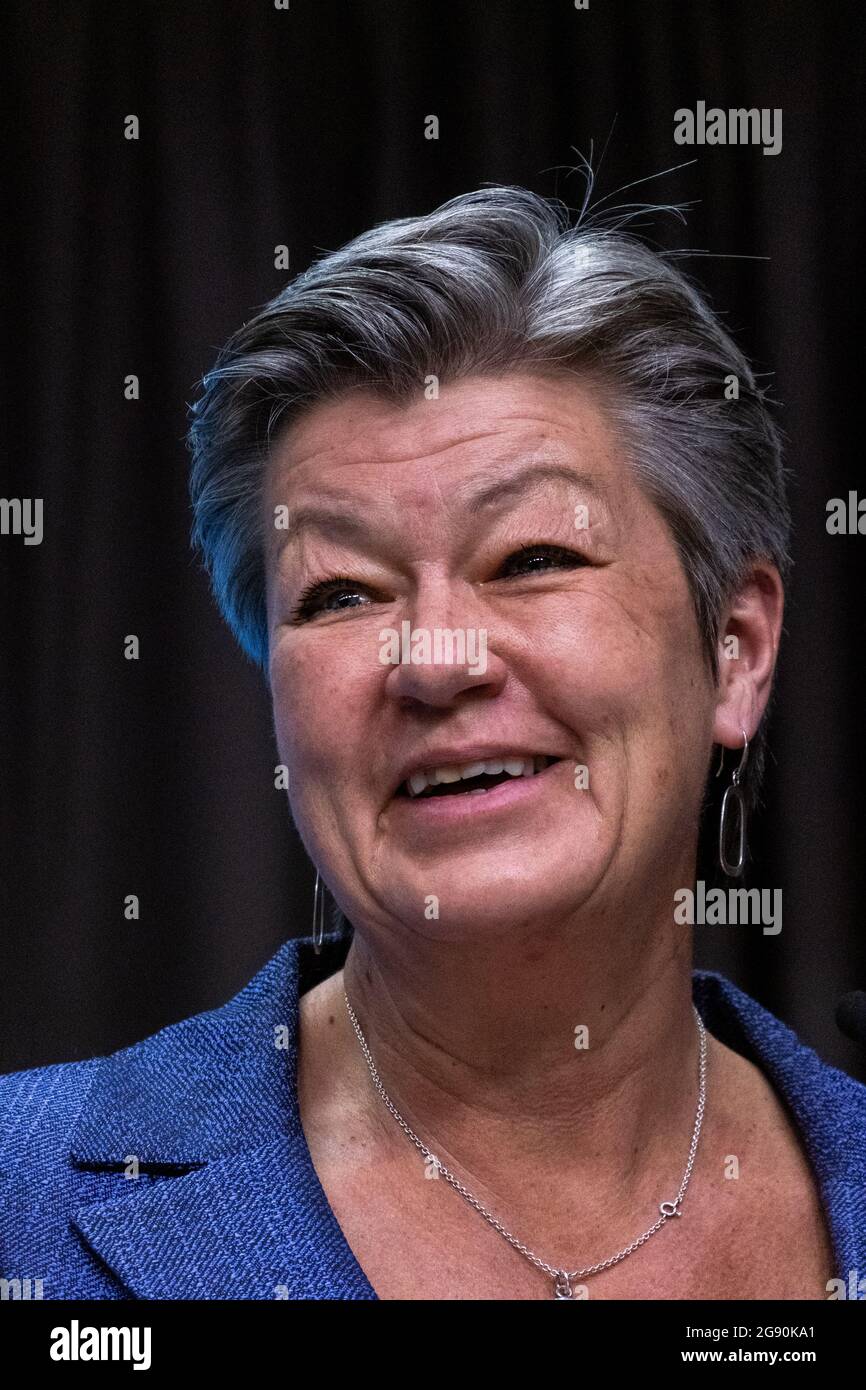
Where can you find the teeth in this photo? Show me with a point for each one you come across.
(448, 774)
(515, 767)
(472, 770)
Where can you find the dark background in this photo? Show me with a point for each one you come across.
(261, 127)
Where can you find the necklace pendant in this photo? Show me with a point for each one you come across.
(563, 1285)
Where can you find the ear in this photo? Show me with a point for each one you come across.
(748, 644)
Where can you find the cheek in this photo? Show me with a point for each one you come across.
(318, 698)
(620, 658)
(297, 712)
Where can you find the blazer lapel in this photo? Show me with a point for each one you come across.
(227, 1203)
(252, 1225)
(827, 1105)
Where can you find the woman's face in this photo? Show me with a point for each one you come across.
(503, 512)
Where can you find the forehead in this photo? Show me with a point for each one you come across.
(361, 440)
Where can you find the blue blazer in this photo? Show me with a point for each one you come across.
(227, 1203)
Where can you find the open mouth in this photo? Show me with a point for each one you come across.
(472, 779)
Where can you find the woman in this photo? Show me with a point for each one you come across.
(499, 508)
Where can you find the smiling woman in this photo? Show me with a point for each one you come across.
(500, 1077)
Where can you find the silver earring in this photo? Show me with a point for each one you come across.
(318, 914)
(733, 797)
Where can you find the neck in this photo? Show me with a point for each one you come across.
(476, 1050)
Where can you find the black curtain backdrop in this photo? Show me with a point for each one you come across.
(304, 126)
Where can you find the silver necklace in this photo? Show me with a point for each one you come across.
(562, 1279)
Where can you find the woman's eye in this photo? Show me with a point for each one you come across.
(331, 595)
(534, 559)
(327, 596)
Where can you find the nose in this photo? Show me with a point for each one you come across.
(440, 652)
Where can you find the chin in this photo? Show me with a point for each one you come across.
(484, 902)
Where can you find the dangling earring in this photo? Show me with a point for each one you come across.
(733, 794)
(318, 914)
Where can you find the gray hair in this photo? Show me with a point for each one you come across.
(492, 281)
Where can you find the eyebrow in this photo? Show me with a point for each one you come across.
(504, 487)
(490, 492)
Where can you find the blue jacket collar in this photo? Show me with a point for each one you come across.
(213, 1100)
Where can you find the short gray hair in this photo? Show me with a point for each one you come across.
(492, 281)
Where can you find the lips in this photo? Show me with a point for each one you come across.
(472, 776)
(445, 813)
